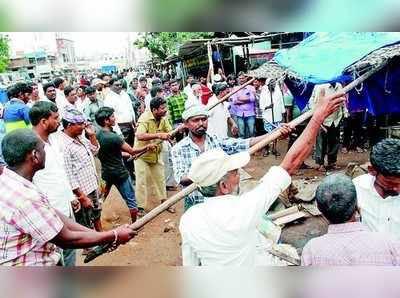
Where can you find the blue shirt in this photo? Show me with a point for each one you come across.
(16, 110)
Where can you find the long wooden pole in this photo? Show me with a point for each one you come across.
(184, 192)
(226, 97)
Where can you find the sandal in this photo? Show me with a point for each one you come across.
(171, 209)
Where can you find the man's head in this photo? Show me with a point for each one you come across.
(196, 120)
(258, 82)
(158, 107)
(217, 172)
(80, 91)
(189, 79)
(231, 80)
(220, 89)
(203, 79)
(156, 82)
(385, 166)
(174, 86)
(90, 92)
(115, 85)
(71, 94)
(242, 78)
(336, 198)
(143, 82)
(105, 117)
(23, 148)
(49, 90)
(134, 83)
(196, 88)
(45, 115)
(35, 90)
(21, 91)
(157, 91)
(98, 84)
(59, 83)
(73, 122)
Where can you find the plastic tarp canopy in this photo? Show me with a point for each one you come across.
(322, 58)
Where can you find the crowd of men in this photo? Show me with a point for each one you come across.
(147, 133)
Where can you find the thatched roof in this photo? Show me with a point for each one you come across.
(274, 71)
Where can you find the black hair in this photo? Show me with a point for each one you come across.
(172, 81)
(11, 92)
(68, 90)
(17, 89)
(103, 114)
(17, 144)
(47, 86)
(385, 157)
(156, 102)
(142, 78)
(336, 198)
(41, 110)
(113, 80)
(58, 81)
(154, 90)
(90, 90)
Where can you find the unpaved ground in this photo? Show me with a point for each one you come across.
(153, 246)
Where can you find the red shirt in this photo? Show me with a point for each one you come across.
(205, 94)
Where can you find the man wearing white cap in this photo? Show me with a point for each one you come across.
(222, 230)
(197, 142)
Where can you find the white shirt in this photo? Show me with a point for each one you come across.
(52, 180)
(147, 100)
(192, 101)
(277, 99)
(188, 90)
(122, 105)
(380, 215)
(329, 90)
(218, 119)
(222, 230)
(61, 101)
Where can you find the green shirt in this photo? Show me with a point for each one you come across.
(176, 106)
(112, 166)
(290, 102)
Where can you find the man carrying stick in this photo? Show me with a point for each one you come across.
(222, 230)
(197, 142)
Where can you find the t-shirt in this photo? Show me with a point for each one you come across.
(289, 101)
(112, 166)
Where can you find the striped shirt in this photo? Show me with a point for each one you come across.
(186, 150)
(27, 224)
(351, 244)
(79, 163)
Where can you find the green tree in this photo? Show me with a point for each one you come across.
(164, 44)
(4, 53)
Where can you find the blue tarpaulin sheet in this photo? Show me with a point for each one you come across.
(322, 58)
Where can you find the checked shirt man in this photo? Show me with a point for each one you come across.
(197, 142)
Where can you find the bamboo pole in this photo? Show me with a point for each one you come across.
(184, 192)
(226, 97)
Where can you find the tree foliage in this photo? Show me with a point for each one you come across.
(164, 44)
(4, 53)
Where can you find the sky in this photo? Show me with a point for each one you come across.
(86, 43)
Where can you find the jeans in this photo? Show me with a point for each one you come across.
(125, 188)
(69, 257)
(246, 126)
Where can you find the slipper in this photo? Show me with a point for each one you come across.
(171, 209)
